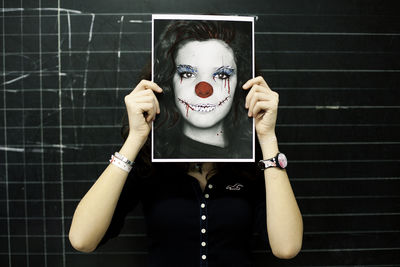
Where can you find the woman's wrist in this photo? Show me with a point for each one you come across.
(132, 146)
(269, 145)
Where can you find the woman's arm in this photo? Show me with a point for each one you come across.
(94, 212)
(284, 221)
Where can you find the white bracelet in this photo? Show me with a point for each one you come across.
(123, 158)
(120, 164)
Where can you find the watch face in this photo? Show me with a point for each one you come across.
(282, 160)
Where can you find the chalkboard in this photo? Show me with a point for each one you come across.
(66, 66)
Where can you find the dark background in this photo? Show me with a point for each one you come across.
(335, 64)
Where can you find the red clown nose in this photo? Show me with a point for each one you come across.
(203, 89)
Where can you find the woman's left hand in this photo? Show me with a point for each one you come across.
(262, 104)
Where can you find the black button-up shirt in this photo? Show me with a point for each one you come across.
(190, 227)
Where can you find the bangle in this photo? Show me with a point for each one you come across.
(123, 158)
(120, 164)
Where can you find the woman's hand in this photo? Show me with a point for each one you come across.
(262, 104)
(142, 107)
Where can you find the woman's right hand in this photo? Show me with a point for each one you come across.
(142, 107)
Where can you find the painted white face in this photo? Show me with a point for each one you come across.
(204, 82)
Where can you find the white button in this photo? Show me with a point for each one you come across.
(203, 205)
(203, 217)
(206, 195)
(210, 186)
(203, 231)
(204, 257)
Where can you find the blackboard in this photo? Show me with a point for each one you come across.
(66, 66)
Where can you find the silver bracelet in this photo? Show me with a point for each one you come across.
(123, 158)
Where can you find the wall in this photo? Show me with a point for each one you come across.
(67, 65)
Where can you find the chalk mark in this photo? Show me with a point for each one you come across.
(60, 130)
(41, 9)
(12, 149)
(73, 74)
(16, 79)
(87, 66)
(136, 21)
(121, 21)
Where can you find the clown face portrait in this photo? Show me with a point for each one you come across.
(201, 62)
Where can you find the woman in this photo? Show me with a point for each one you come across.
(196, 214)
(200, 65)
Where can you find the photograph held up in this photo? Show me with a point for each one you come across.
(202, 62)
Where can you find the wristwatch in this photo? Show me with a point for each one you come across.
(279, 161)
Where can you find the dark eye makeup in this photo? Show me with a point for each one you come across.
(223, 72)
(187, 71)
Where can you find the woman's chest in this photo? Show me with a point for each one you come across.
(179, 207)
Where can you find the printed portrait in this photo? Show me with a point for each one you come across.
(201, 63)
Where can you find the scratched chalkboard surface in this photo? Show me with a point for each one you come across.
(66, 66)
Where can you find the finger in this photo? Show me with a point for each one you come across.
(147, 96)
(157, 105)
(143, 102)
(262, 107)
(151, 97)
(254, 89)
(154, 99)
(154, 112)
(145, 84)
(148, 110)
(151, 115)
(155, 109)
(144, 99)
(150, 85)
(257, 80)
(256, 98)
(142, 92)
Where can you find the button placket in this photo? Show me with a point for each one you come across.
(204, 224)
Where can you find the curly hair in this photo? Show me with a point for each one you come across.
(168, 126)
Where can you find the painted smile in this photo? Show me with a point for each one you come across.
(202, 107)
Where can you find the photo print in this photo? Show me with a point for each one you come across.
(201, 63)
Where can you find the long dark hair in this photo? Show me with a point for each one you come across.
(237, 126)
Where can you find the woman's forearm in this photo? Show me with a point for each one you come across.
(284, 220)
(94, 212)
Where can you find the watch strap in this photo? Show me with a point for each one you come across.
(272, 162)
